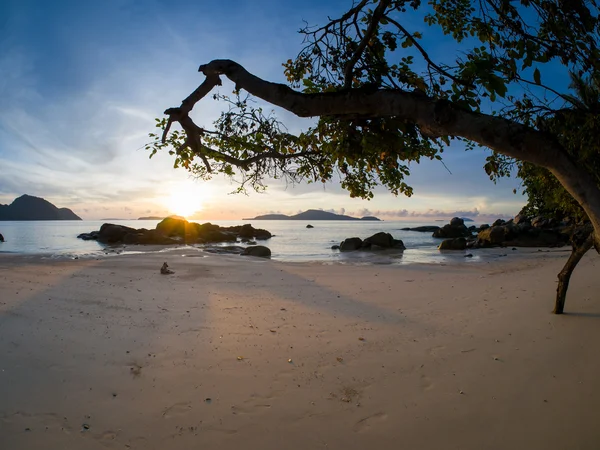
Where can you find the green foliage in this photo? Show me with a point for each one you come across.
(577, 129)
(502, 48)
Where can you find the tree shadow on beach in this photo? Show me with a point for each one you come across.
(589, 315)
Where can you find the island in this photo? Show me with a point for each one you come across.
(151, 218)
(28, 207)
(312, 214)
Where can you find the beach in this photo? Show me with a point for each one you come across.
(231, 352)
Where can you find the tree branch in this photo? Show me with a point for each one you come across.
(434, 117)
(373, 24)
(425, 55)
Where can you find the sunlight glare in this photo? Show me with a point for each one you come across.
(186, 198)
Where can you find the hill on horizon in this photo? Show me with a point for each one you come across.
(28, 207)
(311, 214)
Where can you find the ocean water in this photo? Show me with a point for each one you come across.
(292, 241)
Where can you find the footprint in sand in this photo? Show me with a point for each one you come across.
(436, 351)
(367, 423)
(426, 383)
(178, 409)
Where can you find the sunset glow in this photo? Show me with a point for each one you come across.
(187, 198)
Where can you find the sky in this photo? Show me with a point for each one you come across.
(81, 82)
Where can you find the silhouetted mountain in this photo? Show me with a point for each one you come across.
(311, 214)
(27, 207)
(151, 218)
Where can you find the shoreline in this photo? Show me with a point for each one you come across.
(109, 353)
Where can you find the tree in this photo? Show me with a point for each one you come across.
(382, 101)
(577, 129)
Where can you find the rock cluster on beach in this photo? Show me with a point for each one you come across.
(379, 241)
(518, 232)
(174, 230)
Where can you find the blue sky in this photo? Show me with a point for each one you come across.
(82, 81)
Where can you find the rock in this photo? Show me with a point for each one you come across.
(498, 223)
(257, 250)
(456, 222)
(175, 226)
(309, 226)
(351, 244)
(225, 249)
(174, 230)
(484, 226)
(469, 255)
(425, 228)
(520, 219)
(398, 244)
(450, 231)
(539, 222)
(248, 231)
(453, 244)
(112, 234)
(495, 235)
(335, 247)
(385, 240)
(93, 236)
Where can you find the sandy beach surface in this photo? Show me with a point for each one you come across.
(234, 353)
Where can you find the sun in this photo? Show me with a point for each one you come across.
(186, 199)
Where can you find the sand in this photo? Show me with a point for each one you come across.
(235, 353)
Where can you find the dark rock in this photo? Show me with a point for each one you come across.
(257, 250)
(309, 226)
(93, 236)
(335, 247)
(398, 244)
(449, 231)
(484, 226)
(498, 223)
(469, 255)
(351, 244)
(382, 239)
(539, 222)
(225, 249)
(425, 228)
(521, 219)
(248, 231)
(453, 244)
(495, 235)
(112, 234)
(456, 222)
(175, 230)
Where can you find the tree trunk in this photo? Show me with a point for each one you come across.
(581, 244)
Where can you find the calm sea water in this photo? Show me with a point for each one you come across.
(292, 240)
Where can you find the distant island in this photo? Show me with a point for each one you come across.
(27, 207)
(311, 214)
(151, 218)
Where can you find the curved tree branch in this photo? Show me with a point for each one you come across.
(434, 117)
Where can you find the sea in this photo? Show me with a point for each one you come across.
(292, 241)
